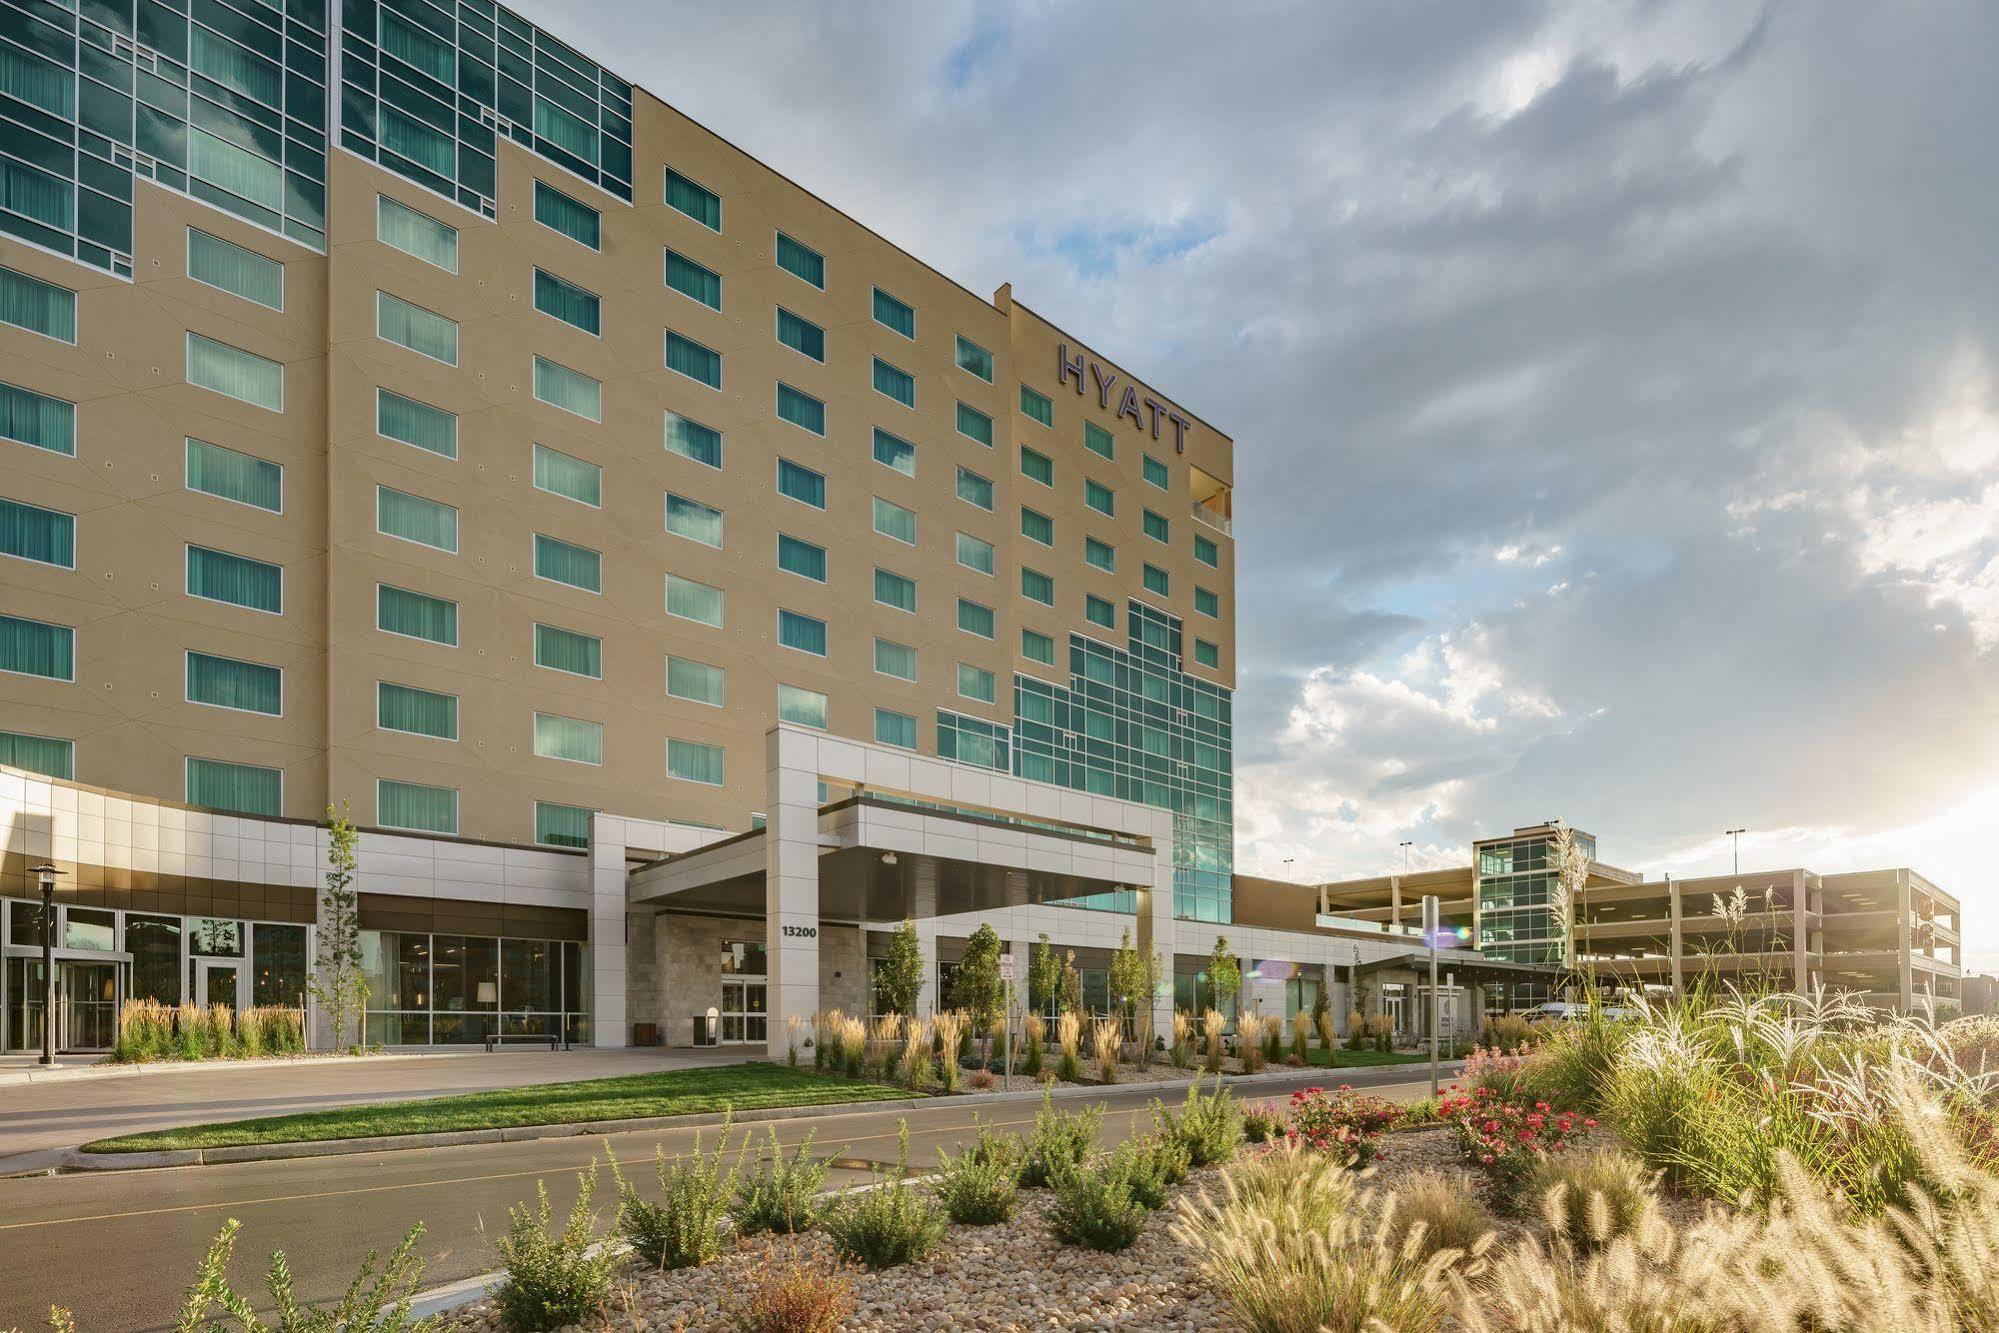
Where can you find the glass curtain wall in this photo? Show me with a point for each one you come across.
(447, 990)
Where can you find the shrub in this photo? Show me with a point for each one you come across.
(981, 1080)
(815, 1296)
(1155, 1165)
(784, 1193)
(888, 1223)
(1061, 1140)
(1439, 1212)
(951, 1035)
(378, 1306)
(1095, 1205)
(1506, 1141)
(1347, 1124)
(1592, 1197)
(684, 1228)
(1209, 1127)
(1262, 1123)
(977, 1186)
(1511, 1078)
(555, 1278)
(1069, 1037)
(1106, 1037)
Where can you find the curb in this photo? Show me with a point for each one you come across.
(75, 1159)
(13, 1078)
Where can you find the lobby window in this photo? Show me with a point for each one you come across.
(801, 483)
(570, 390)
(974, 554)
(1102, 555)
(801, 632)
(45, 536)
(37, 420)
(562, 299)
(571, 739)
(1207, 602)
(50, 756)
(696, 201)
(692, 440)
(801, 409)
(801, 335)
(570, 477)
(693, 520)
(1036, 586)
(413, 806)
(1206, 551)
(808, 708)
(33, 648)
(244, 789)
(415, 519)
(1036, 406)
(218, 576)
(37, 306)
(422, 331)
(894, 590)
(975, 360)
(895, 452)
(419, 425)
(975, 425)
(1157, 528)
(1207, 654)
(563, 562)
(1098, 440)
(415, 615)
(1037, 526)
(229, 475)
(893, 314)
(801, 558)
(696, 682)
(1037, 647)
(567, 650)
(416, 712)
(895, 659)
(974, 489)
(1099, 612)
(694, 601)
(225, 682)
(975, 619)
(1037, 466)
(561, 825)
(801, 261)
(699, 363)
(695, 281)
(1155, 580)
(977, 683)
(235, 373)
(892, 520)
(897, 729)
(229, 267)
(1099, 497)
(558, 212)
(403, 228)
(1156, 473)
(895, 383)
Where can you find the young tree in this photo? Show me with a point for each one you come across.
(1224, 974)
(1127, 979)
(1071, 991)
(1044, 976)
(337, 981)
(978, 992)
(900, 980)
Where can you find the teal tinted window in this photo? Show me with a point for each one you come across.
(801, 335)
(1098, 440)
(897, 384)
(808, 708)
(802, 632)
(895, 659)
(691, 761)
(975, 619)
(37, 306)
(564, 300)
(561, 825)
(801, 261)
(801, 558)
(1207, 654)
(418, 712)
(1156, 473)
(1037, 647)
(419, 424)
(694, 280)
(1037, 526)
(422, 331)
(1099, 496)
(974, 489)
(29, 532)
(224, 682)
(976, 425)
(46, 755)
(697, 202)
(570, 390)
(1037, 466)
(243, 789)
(975, 554)
(561, 562)
(229, 475)
(32, 648)
(975, 359)
(31, 418)
(801, 483)
(688, 679)
(1206, 551)
(1155, 580)
(238, 580)
(1157, 528)
(557, 211)
(1099, 612)
(568, 738)
(1036, 406)
(693, 601)
(691, 439)
(693, 360)
(1100, 554)
(1037, 587)
(416, 616)
(801, 409)
(977, 683)
(895, 590)
(256, 380)
(568, 476)
(898, 729)
(566, 650)
(415, 519)
(1207, 602)
(894, 314)
(410, 805)
(890, 451)
(402, 227)
(233, 269)
(892, 520)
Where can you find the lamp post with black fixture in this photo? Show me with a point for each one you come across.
(46, 873)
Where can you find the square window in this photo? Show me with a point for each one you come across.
(694, 681)
(801, 335)
(977, 683)
(801, 409)
(696, 201)
(801, 261)
(975, 425)
(801, 632)
(1099, 497)
(693, 520)
(895, 590)
(1156, 473)
(1037, 647)
(1037, 466)
(1099, 612)
(690, 761)
(686, 357)
(975, 360)
(1156, 580)
(801, 558)
(976, 619)
(1036, 586)
(974, 489)
(693, 601)
(808, 708)
(801, 483)
(1157, 528)
(894, 383)
(1100, 554)
(695, 281)
(1207, 602)
(892, 520)
(897, 729)
(895, 659)
(1207, 654)
(692, 440)
(570, 477)
(1206, 551)
(974, 554)
(1037, 526)
(1036, 407)
(1098, 440)
(894, 314)
(890, 451)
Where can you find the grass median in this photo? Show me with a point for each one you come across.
(1368, 1059)
(628, 1097)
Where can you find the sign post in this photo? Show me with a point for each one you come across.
(1006, 1022)
(1432, 923)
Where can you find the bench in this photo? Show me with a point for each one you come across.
(555, 1041)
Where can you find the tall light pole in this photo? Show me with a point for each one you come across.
(46, 873)
(1408, 850)
(1736, 834)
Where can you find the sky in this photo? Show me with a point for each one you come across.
(1615, 386)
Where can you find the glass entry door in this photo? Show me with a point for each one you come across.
(87, 999)
(25, 1001)
(217, 982)
(744, 1010)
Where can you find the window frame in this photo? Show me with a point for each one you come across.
(188, 260)
(187, 653)
(187, 550)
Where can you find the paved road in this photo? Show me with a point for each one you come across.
(120, 1247)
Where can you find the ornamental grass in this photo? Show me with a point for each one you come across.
(1213, 1023)
(1069, 1040)
(1106, 1042)
(950, 1029)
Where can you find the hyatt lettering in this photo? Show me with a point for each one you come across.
(1128, 403)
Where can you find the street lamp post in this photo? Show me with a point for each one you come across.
(1736, 834)
(46, 873)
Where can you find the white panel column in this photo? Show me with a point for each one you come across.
(791, 880)
(608, 1020)
(923, 910)
(1155, 921)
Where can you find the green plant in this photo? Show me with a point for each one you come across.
(890, 1222)
(949, 1028)
(1106, 1036)
(378, 1306)
(685, 1227)
(1061, 1140)
(1592, 1197)
(783, 1194)
(1156, 1164)
(899, 980)
(1069, 1038)
(1438, 1212)
(1044, 976)
(555, 1278)
(977, 1187)
(1095, 1205)
(1213, 1023)
(1224, 973)
(250, 1034)
(145, 1031)
(977, 992)
(1347, 1124)
(1209, 1126)
(814, 1296)
(1034, 1035)
(1262, 1123)
(338, 981)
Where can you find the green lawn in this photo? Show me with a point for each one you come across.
(1362, 1059)
(675, 1092)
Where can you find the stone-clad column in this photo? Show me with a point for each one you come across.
(791, 880)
